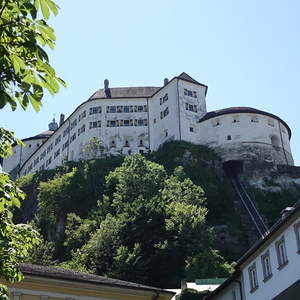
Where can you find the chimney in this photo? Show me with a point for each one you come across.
(166, 80)
(107, 89)
(61, 119)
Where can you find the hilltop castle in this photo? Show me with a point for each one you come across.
(140, 119)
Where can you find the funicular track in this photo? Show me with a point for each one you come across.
(246, 200)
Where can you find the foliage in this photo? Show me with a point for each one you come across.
(93, 149)
(15, 240)
(77, 232)
(207, 264)
(43, 254)
(7, 139)
(24, 65)
(25, 73)
(151, 223)
(191, 294)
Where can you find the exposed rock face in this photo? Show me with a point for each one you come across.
(259, 152)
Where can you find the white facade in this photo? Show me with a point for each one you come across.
(133, 120)
(271, 269)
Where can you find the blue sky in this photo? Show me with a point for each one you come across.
(247, 52)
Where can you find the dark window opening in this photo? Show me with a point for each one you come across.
(228, 137)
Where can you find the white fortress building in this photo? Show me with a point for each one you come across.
(140, 119)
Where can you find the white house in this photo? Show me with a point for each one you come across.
(270, 270)
(140, 119)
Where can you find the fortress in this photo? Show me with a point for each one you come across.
(140, 119)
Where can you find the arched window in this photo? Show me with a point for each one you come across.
(126, 144)
(141, 143)
(275, 140)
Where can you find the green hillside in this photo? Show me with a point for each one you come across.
(152, 219)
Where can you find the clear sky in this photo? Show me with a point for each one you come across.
(247, 52)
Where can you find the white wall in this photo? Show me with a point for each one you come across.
(232, 292)
(189, 119)
(162, 130)
(281, 279)
(22, 153)
(247, 133)
(132, 134)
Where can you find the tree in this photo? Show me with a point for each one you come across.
(25, 73)
(24, 65)
(92, 150)
(15, 240)
(151, 224)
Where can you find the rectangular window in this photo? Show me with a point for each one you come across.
(48, 161)
(36, 161)
(297, 232)
(95, 110)
(111, 109)
(120, 109)
(140, 108)
(43, 155)
(94, 124)
(56, 153)
(126, 109)
(281, 253)
(66, 131)
(253, 278)
(140, 122)
(191, 129)
(73, 137)
(165, 98)
(73, 124)
(194, 94)
(49, 148)
(57, 140)
(266, 265)
(65, 145)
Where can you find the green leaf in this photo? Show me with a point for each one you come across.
(35, 104)
(15, 63)
(45, 9)
(37, 4)
(53, 7)
(62, 82)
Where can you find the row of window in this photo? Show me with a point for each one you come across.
(254, 119)
(163, 99)
(164, 113)
(191, 107)
(126, 108)
(190, 93)
(82, 115)
(125, 123)
(73, 124)
(282, 260)
(126, 143)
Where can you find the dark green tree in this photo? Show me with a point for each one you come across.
(152, 223)
(25, 73)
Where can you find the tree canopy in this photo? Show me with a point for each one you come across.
(149, 225)
(25, 71)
